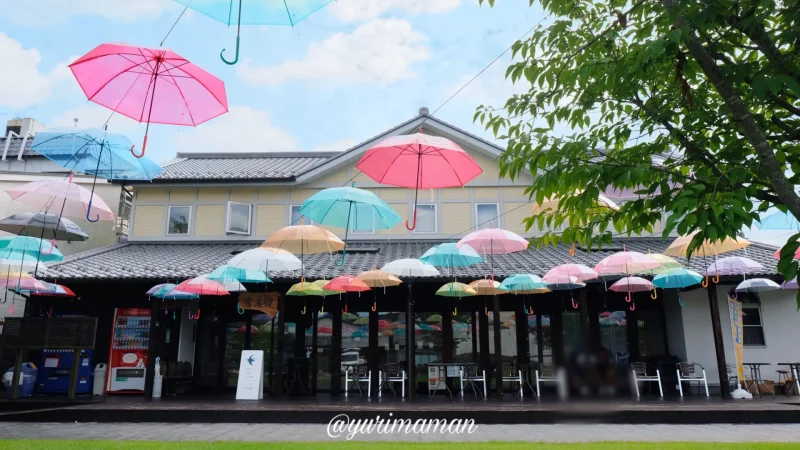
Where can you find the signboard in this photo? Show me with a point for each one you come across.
(436, 378)
(63, 333)
(735, 308)
(251, 376)
(266, 302)
(453, 371)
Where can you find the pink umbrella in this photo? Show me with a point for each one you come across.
(202, 286)
(581, 272)
(630, 285)
(435, 163)
(22, 284)
(346, 283)
(58, 195)
(625, 263)
(777, 254)
(150, 85)
(494, 241)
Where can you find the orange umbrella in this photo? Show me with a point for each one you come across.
(487, 287)
(304, 240)
(378, 278)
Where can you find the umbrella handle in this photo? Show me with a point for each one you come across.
(530, 310)
(236, 56)
(52, 247)
(144, 147)
(574, 305)
(374, 306)
(633, 307)
(341, 263)
(303, 312)
(629, 297)
(50, 312)
(321, 308)
(485, 311)
(704, 283)
(654, 295)
(716, 278)
(89, 209)
(344, 311)
(41, 312)
(455, 310)
(197, 316)
(239, 309)
(680, 302)
(11, 310)
(414, 225)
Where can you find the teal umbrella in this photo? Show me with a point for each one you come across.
(45, 251)
(677, 279)
(227, 273)
(522, 282)
(450, 255)
(349, 208)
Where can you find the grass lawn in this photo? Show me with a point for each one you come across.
(141, 445)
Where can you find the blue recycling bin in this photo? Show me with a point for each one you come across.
(28, 378)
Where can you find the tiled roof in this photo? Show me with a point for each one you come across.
(241, 166)
(185, 260)
(13, 148)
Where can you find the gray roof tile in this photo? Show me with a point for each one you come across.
(13, 148)
(185, 260)
(241, 166)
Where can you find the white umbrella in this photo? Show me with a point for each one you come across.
(230, 285)
(410, 267)
(266, 260)
(757, 285)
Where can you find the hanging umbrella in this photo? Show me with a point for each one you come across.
(202, 286)
(243, 328)
(325, 330)
(680, 246)
(455, 290)
(435, 328)
(451, 255)
(264, 259)
(677, 279)
(524, 284)
(384, 324)
(230, 285)
(39, 224)
(149, 85)
(349, 208)
(379, 278)
(254, 12)
(346, 283)
(733, 265)
(69, 198)
(399, 332)
(581, 272)
(630, 285)
(563, 283)
(226, 272)
(791, 284)
(410, 267)
(777, 254)
(314, 289)
(757, 285)
(361, 321)
(779, 221)
(487, 287)
(625, 263)
(665, 263)
(418, 161)
(605, 314)
(554, 204)
(52, 290)
(304, 240)
(14, 246)
(168, 291)
(349, 317)
(163, 287)
(21, 281)
(494, 241)
(435, 318)
(19, 262)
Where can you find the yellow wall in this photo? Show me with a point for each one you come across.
(393, 193)
(276, 194)
(299, 195)
(491, 169)
(337, 178)
(151, 195)
(487, 193)
(514, 193)
(455, 217)
(243, 195)
(184, 195)
(455, 194)
(212, 195)
(400, 227)
(210, 220)
(148, 221)
(269, 218)
(514, 217)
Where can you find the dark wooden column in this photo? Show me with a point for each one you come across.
(372, 353)
(248, 322)
(336, 349)
(411, 345)
(277, 387)
(557, 333)
(314, 349)
(593, 306)
(448, 346)
(474, 336)
(716, 328)
(483, 335)
(300, 335)
(632, 329)
(539, 338)
(521, 319)
(154, 347)
(583, 309)
(498, 348)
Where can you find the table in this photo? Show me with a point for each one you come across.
(298, 369)
(795, 367)
(755, 373)
(438, 373)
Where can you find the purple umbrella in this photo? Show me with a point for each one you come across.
(791, 284)
(733, 265)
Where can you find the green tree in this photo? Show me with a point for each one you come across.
(693, 105)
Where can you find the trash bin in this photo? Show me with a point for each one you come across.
(27, 380)
(157, 379)
(99, 386)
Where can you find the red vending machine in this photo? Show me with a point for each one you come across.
(128, 356)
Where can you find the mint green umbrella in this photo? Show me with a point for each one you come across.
(228, 273)
(11, 246)
(349, 208)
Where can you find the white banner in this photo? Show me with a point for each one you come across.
(251, 376)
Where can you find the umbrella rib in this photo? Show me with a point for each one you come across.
(183, 97)
(390, 165)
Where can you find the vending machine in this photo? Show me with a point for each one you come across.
(128, 356)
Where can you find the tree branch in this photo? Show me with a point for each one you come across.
(759, 36)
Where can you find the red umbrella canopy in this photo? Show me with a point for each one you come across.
(325, 330)
(152, 85)
(346, 283)
(383, 324)
(202, 286)
(419, 161)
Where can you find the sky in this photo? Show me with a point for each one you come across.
(344, 74)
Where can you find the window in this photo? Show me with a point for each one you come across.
(751, 322)
(486, 215)
(124, 212)
(179, 217)
(426, 219)
(295, 216)
(239, 218)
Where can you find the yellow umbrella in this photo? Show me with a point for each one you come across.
(378, 278)
(680, 247)
(313, 289)
(487, 287)
(304, 240)
(553, 204)
(456, 289)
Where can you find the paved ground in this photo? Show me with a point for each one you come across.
(265, 432)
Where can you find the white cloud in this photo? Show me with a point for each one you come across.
(336, 146)
(49, 11)
(21, 83)
(362, 10)
(242, 129)
(91, 115)
(382, 51)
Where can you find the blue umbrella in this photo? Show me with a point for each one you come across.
(255, 12)
(94, 152)
(450, 255)
(226, 273)
(349, 207)
(779, 221)
(167, 291)
(677, 279)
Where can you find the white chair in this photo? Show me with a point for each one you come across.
(472, 375)
(392, 373)
(733, 377)
(547, 373)
(513, 374)
(639, 371)
(687, 371)
(356, 375)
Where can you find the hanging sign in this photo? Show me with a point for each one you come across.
(251, 376)
(735, 308)
(266, 302)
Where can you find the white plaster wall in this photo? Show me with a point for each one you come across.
(674, 320)
(781, 331)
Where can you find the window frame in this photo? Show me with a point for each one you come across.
(497, 216)
(249, 219)
(188, 224)
(307, 221)
(435, 219)
(748, 307)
